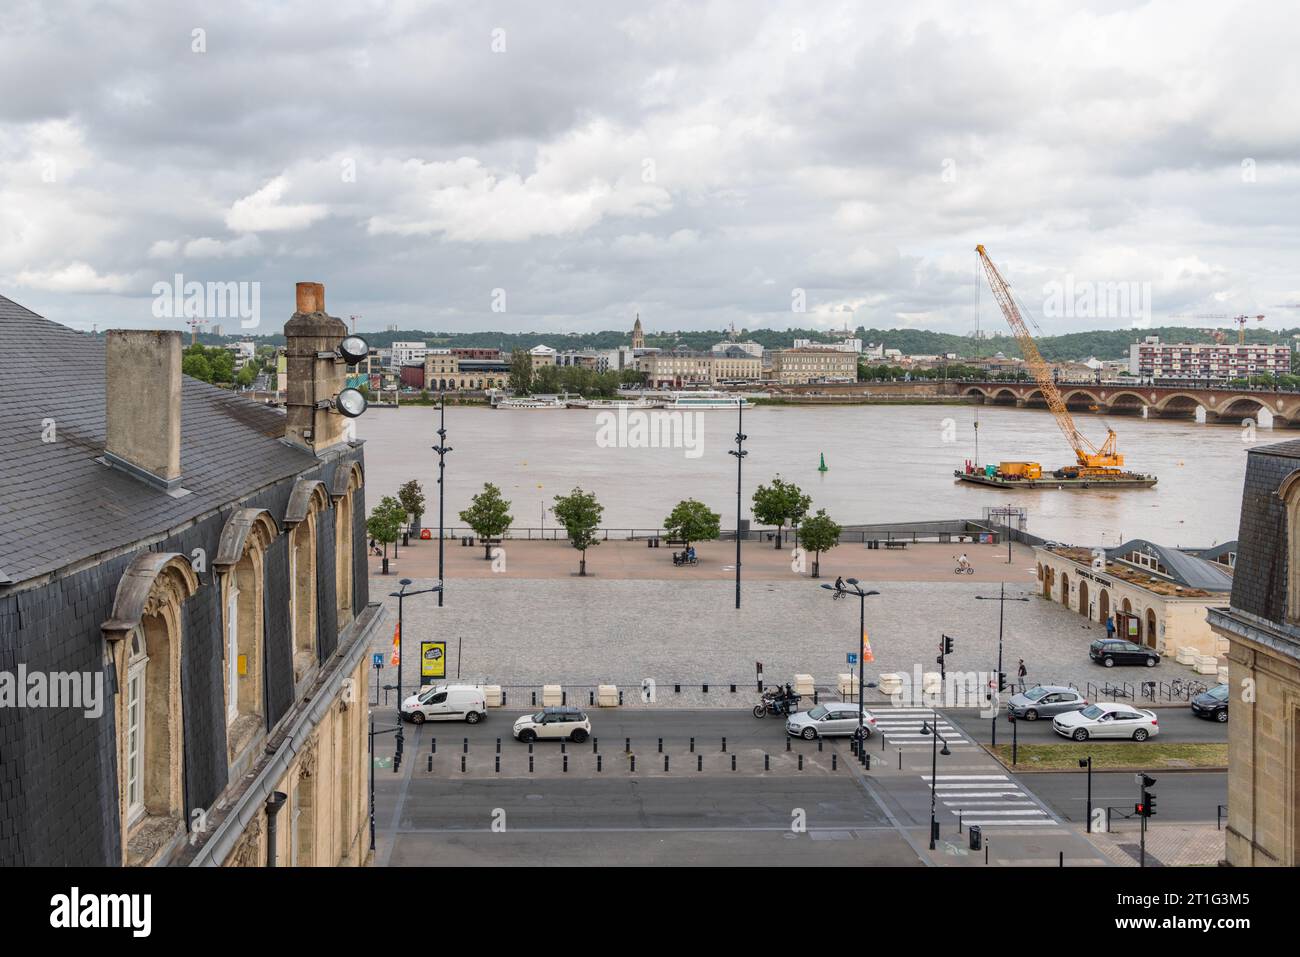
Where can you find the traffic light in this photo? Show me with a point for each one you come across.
(1146, 807)
(947, 645)
(1002, 681)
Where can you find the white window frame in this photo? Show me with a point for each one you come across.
(135, 727)
(232, 650)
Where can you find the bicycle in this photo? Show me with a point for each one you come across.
(963, 568)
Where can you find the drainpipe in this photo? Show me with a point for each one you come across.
(274, 801)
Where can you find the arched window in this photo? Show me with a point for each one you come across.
(302, 817)
(240, 564)
(347, 479)
(1289, 493)
(144, 636)
(308, 506)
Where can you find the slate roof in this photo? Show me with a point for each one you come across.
(1185, 569)
(57, 504)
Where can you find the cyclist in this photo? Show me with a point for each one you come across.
(963, 563)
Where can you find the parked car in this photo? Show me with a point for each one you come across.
(1045, 701)
(1117, 651)
(445, 703)
(1107, 720)
(826, 720)
(554, 724)
(1212, 703)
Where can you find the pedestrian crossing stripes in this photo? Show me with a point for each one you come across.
(902, 727)
(987, 800)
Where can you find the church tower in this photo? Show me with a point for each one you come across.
(638, 337)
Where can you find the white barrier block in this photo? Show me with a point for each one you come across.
(493, 695)
(607, 696)
(552, 696)
(804, 685)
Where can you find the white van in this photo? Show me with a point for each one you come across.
(446, 703)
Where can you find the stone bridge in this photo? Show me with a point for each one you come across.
(1266, 409)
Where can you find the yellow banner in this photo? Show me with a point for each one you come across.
(433, 659)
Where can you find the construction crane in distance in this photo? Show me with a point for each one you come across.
(194, 325)
(1241, 326)
(1093, 462)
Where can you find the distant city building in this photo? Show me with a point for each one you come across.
(684, 367)
(476, 353)
(848, 344)
(1153, 359)
(542, 356)
(794, 366)
(446, 372)
(638, 337)
(408, 353)
(752, 348)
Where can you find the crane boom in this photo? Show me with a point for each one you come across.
(1089, 455)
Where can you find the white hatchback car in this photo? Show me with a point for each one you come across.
(564, 723)
(1107, 720)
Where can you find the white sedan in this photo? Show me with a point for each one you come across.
(1107, 720)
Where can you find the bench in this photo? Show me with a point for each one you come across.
(670, 542)
(892, 544)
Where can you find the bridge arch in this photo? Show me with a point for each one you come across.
(1004, 396)
(1126, 402)
(1082, 400)
(1034, 399)
(1182, 405)
(1235, 408)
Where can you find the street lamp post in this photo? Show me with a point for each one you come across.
(856, 589)
(934, 766)
(1002, 600)
(740, 453)
(400, 739)
(401, 596)
(442, 448)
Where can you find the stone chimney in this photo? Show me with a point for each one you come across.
(314, 372)
(143, 408)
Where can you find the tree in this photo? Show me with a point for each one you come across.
(579, 513)
(779, 503)
(521, 372)
(411, 495)
(489, 515)
(692, 521)
(547, 379)
(246, 376)
(819, 534)
(196, 366)
(385, 521)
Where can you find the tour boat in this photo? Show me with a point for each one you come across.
(705, 399)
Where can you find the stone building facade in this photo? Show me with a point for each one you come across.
(200, 558)
(793, 366)
(1262, 625)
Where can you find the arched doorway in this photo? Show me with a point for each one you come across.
(1103, 605)
(1149, 639)
(1065, 590)
(1083, 600)
(1049, 577)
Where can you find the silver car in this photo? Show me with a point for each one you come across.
(1045, 701)
(839, 717)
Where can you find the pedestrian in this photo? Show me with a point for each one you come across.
(1110, 626)
(1021, 671)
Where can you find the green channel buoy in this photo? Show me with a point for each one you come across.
(822, 467)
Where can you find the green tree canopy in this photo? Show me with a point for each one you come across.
(579, 513)
(819, 534)
(521, 372)
(488, 514)
(411, 495)
(779, 503)
(385, 521)
(693, 521)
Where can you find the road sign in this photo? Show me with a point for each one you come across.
(377, 659)
(853, 658)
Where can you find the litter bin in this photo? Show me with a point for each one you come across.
(976, 837)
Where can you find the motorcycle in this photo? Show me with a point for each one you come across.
(778, 703)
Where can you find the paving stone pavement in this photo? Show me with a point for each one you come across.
(525, 633)
(1168, 845)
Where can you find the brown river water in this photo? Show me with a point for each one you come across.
(884, 464)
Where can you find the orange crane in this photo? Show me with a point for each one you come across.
(1093, 461)
(1241, 326)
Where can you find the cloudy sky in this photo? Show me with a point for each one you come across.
(561, 166)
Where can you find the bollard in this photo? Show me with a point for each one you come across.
(1062, 859)
(498, 764)
(566, 764)
(563, 747)
(867, 761)
(431, 764)
(677, 689)
(853, 746)
(465, 749)
(620, 699)
(503, 697)
(594, 749)
(733, 689)
(564, 697)
(767, 766)
(661, 745)
(433, 745)
(534, 699)
(706, 689)
(733, 762)
(834, 762)
(724, 745)
(819, 742)
(801, 762)
(627, 745)
(958, 820)
(598, 760)
(634, 763)
(692, 745)
(591, 698)
(900, 759)
(462, 764)
(498, 745)
(530, 747)
(787, 743)
(699, 762)
(986, 852)
(665, 762)
(530, 764)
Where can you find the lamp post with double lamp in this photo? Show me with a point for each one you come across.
(934, 767)
(401, 596)
(1002, 600)
(851, 586)
(442, 448)
(740, 453)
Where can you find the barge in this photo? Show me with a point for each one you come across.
(1059, 480)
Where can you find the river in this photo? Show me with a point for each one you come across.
(884, 464)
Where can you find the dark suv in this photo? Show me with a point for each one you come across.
(1212, 703)
(1117, 651)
